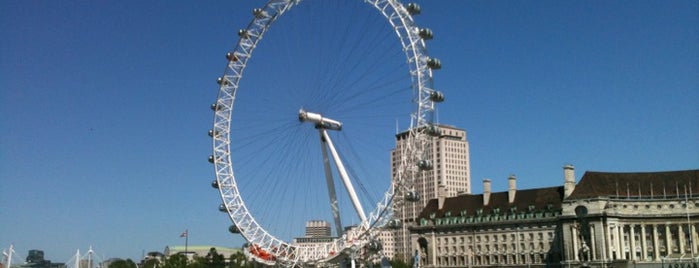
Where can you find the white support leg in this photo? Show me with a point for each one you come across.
(344, 176)
(331, 186)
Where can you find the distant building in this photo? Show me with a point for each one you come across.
(35, 259)
(450, 172)
(317, 228)
(317, 231)
(607, 219)
(192, 251)
(388, 244)
(154, 255)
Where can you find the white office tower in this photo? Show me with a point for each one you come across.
(317, 228)
(450, 173)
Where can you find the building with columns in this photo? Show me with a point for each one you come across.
(640, 218)
(607, 219)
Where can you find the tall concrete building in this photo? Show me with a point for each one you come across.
(317, 228)
(317, 231)
(449, 176)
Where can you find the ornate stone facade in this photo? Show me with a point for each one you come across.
(643, 219)
(606, 220)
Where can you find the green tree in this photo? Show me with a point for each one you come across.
(214, 260)
(174, 261)
(238, 260)
(198, 262)
(128, 263)
(399, 263)
(151, 263)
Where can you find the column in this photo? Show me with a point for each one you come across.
(608, 243)
(644, 245)
(574, 234)
(680, 238)
(518, 252)
(432, 260)
(615, 242)
(656, 247)
(593, 243)
(668, 240)
(632, 242)
(620, 252)
(695, 239)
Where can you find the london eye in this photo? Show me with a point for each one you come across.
(306, 121)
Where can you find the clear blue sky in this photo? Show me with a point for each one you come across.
(104, 106)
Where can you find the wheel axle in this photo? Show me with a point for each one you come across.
(319, 120)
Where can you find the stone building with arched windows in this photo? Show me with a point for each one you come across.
(607, 219)
(643, 219)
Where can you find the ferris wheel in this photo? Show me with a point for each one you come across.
(339, 95)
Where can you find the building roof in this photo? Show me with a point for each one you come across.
(201, 250)
(665, 184)
(468, 204)
(403, 134)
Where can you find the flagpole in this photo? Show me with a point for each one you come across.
(185, 234)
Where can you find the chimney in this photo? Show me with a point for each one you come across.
(569, 180)
(441, 195)
(512, 190)
(486, 192)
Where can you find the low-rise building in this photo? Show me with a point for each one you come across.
(199, 250)
(620, 219)
(643, 219)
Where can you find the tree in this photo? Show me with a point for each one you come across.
(175, 261)
(128, 263)
(399, 263)
(198, 262)
(238, 260)
(150, 263)
(215, 260)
